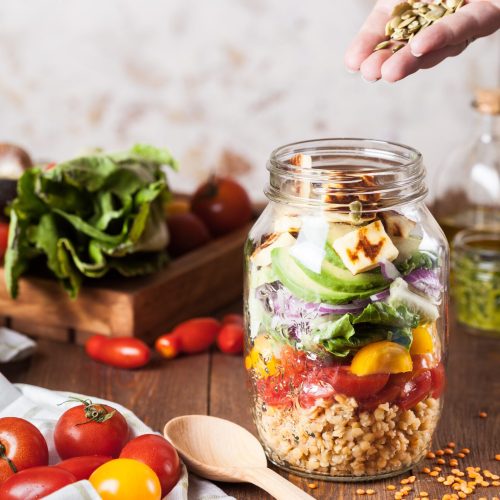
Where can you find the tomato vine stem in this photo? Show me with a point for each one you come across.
(3, 456)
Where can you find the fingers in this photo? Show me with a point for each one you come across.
(371, 67)
(404, 63)
(472, 21)
(371, 33)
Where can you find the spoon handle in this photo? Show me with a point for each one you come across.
(274, 484)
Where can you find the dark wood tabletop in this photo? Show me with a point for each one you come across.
(215, 384)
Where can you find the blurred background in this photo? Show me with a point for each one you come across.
(221, 82)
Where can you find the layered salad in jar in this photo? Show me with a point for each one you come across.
(344, 348)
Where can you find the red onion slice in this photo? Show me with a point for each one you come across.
(389, 270)
(380, 296)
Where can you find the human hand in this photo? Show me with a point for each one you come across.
(445, 38)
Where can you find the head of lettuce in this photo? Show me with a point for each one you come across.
(85, 217)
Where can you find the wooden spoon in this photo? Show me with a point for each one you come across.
(221, 450)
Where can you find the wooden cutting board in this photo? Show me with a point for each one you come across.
(192, 285)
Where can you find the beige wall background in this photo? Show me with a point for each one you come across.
(222, 82)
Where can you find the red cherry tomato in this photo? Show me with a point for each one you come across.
(346, 383)
(35, 483)
(169, 345)
(159, 454)
(82, 467)
(438, 380)
(21, 446)
(387, 395)
(279, 389)
(187, 232)
(120, 352)
(313, 389)
(4, 238)
(198, 334)
(230, 339)
(222, 204)
(415, 390)
(90, 429)
(233, 319)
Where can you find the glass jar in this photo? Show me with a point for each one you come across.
(468, 186)
(346, 310)
(476, 281)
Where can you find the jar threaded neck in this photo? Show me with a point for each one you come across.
(378, 175)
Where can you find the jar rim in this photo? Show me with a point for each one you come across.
(382, 174)
(305, 145)
(465, 239)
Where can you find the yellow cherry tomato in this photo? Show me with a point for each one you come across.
(423, 342)
(126, 479)
(381, 357)
(261, 358)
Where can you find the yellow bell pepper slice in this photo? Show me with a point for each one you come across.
(423, 342)
(261, 358)
(381, 357)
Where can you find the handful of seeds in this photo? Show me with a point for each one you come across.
(409, 17)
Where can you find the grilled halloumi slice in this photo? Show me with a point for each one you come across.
(364, 248)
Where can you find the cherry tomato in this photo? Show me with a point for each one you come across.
(233, 319)
(120, 352)
(415, 390)
(230, 338)
(280, 388)
(90, 429)
(169, 345)
(4, 238)
(21, 446)
(82, 467)
(438, 380)
(35, 483)
(156, 452)
(126, 479)
(313, 389)
(222, 204)
(187, 232)
(198, 334)
(346, 383)
(387, 395)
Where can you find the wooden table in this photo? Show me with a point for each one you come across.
(215, 384)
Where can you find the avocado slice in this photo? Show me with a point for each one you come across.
(332, 285)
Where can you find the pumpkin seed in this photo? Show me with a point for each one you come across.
(410, 17)
(395, 48)
(382, 45)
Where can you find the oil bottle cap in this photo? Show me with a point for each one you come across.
(488, 101)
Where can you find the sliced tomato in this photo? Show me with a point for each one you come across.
(345, 382)
(313, 389)
(276, 390)
(279, 389)
(438, 380)
(422, 362)
(387, 395)
(415, 390)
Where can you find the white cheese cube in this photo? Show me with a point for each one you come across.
(262, 255)
(364, 248)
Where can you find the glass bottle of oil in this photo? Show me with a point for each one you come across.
(468, 187)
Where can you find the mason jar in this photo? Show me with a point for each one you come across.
(476, 281)
(346, 310)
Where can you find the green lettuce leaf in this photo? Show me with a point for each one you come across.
(89, 215)
(419, 260)
(378, 321)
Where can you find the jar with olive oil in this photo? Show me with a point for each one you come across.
(468, 186)
(476, 281)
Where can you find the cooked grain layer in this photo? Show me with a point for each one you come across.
(338, 440)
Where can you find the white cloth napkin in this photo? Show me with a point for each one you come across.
(14, 346)
(40, 407)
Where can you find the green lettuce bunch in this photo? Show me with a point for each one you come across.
(87, 216)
